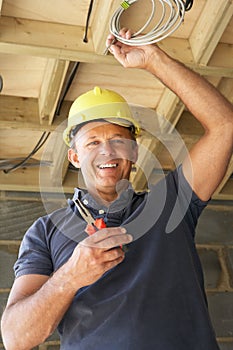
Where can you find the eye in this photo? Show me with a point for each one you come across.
(92, 144)
(117, 141)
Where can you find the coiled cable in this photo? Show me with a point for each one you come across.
(172, 15)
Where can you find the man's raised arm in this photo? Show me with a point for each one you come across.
(210, 156)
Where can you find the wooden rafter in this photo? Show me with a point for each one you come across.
(23, 113)
(1, 1)
(57, 155)
(43, 34)
(170, 108)
(226, 177)
(100, 23)
(54, 76)
(209, 29)
(59, 41)
(145, 164)
(169, 111)
(226, 88)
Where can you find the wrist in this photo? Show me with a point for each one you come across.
(65, 279)
(157, 61)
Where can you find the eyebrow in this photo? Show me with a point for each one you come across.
(111, 137)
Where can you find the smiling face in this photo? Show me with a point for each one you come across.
(105, 153)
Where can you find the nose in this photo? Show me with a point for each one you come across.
(107, 149)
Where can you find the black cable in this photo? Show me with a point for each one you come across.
(188, 5)
(39, 144)
(66, 87)
(85, 39)
(1, 83)
(5, 164)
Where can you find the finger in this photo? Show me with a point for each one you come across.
(111, 242)
(109, 265)
(90, 230)
(119, 53)
(107, 232)
(116, 241)
(108, 238)
(113, 254)
(126, 33)
(110, 40)
(110, 37)
(112, 263)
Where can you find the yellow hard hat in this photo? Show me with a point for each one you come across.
(99, 104)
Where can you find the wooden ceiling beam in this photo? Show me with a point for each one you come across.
(54, 76)
(23, 113)
(29, 180)
(145, 164)
(226, 88)
(220, 57)
(59, 41)
(226, 192)
(209, 29)
(21, 110)
(227, 176)
(213, 70)
(43, 34)
(20, 180)
(170, 109)
(1, 1)
(100, 23)
(164, 151)
(56, 153)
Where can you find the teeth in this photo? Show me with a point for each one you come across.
(110, 165)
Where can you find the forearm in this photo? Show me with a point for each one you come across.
(199, 96)
(32, 319)
(28, 321)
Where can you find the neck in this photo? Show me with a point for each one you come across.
(106, 196)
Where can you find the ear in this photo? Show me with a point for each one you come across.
(73, 158)
(135, 153)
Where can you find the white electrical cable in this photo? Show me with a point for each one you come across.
(164, 27)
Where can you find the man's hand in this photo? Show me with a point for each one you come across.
(97, 254)
(130, 56)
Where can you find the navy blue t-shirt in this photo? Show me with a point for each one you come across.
(155, 298)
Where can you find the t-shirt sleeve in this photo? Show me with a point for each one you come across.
(34, 256)
(192, 204)
(186, 205)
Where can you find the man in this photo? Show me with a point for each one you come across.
(99, 296)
